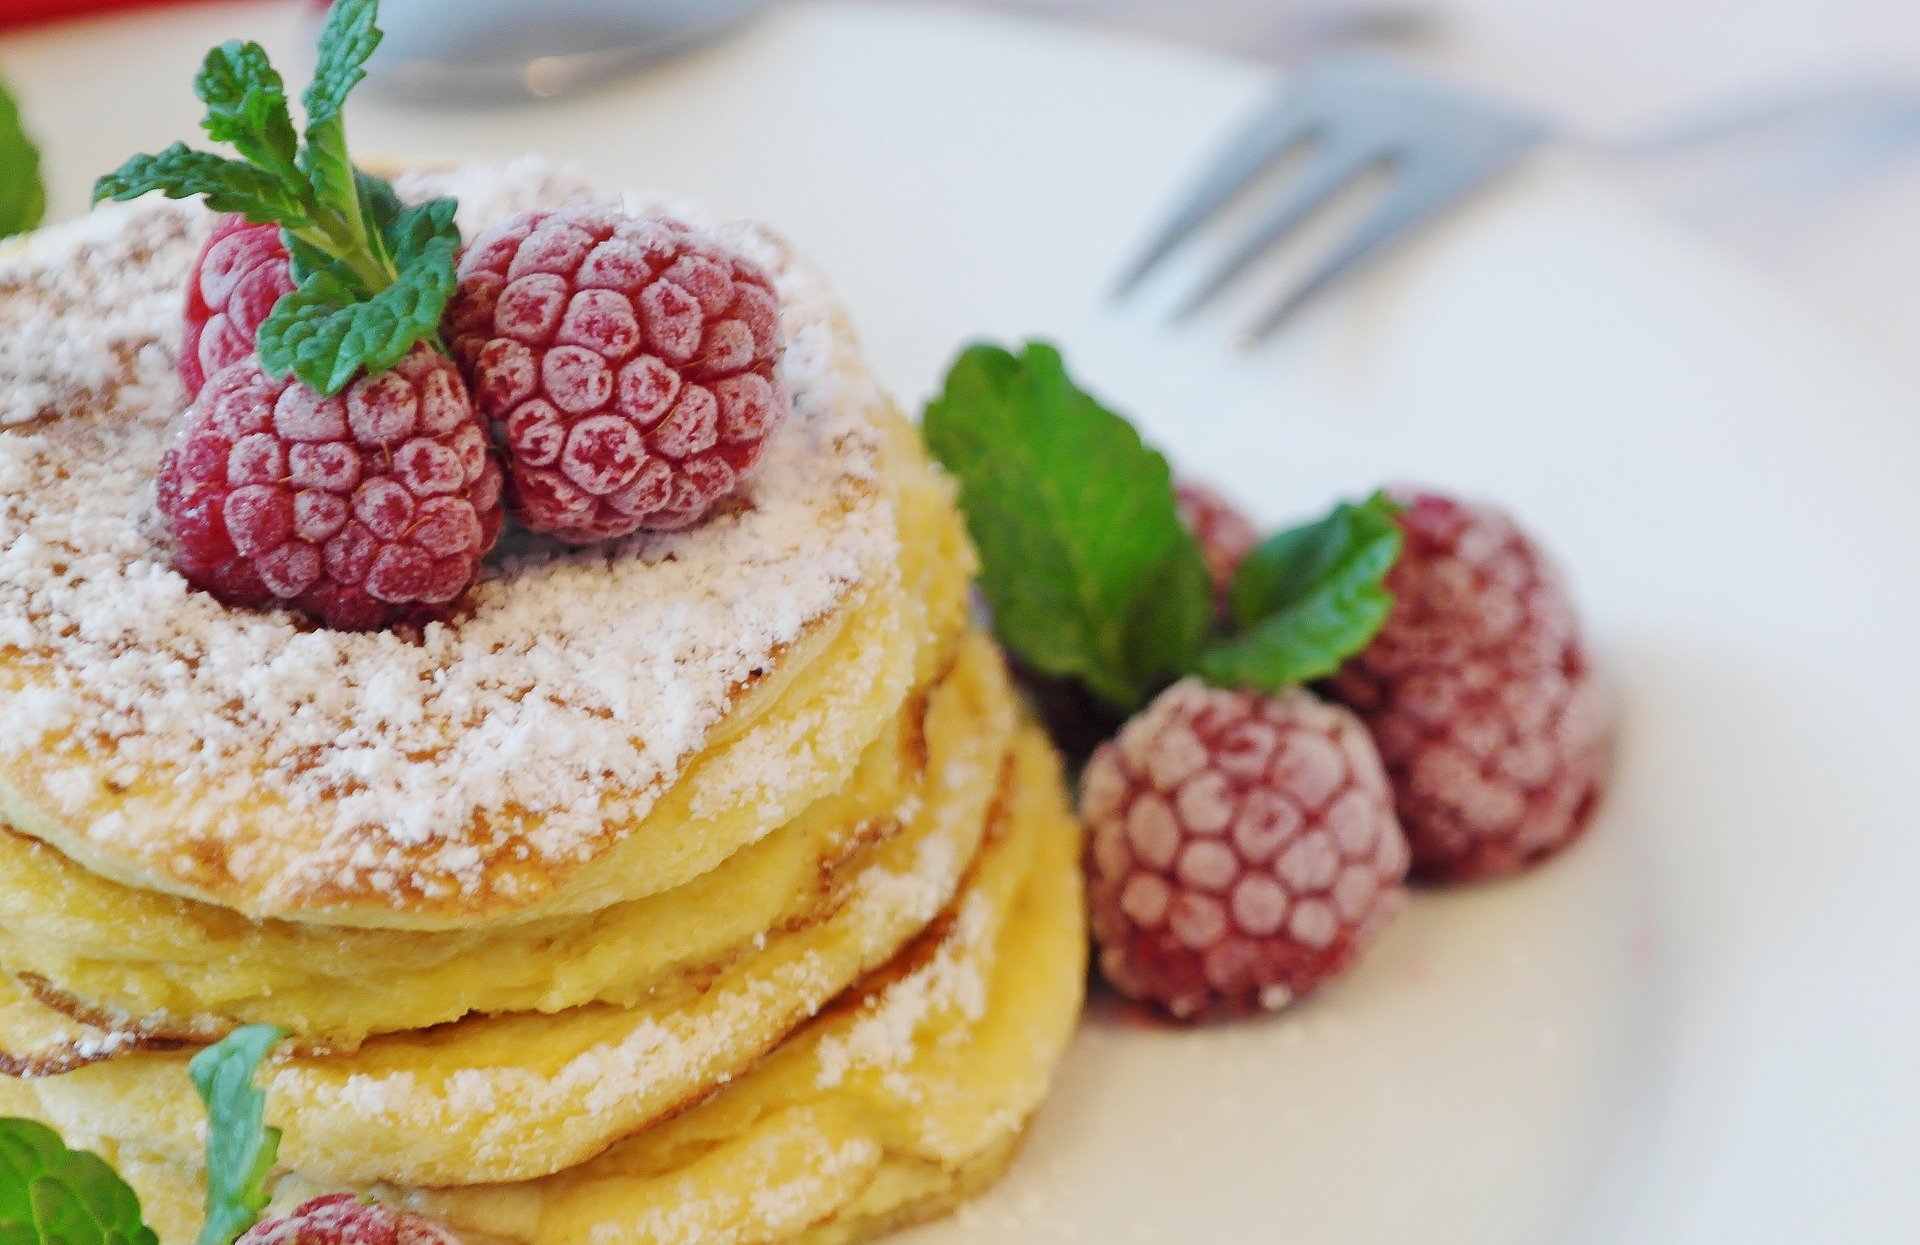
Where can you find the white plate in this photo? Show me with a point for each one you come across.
(1702, 1025)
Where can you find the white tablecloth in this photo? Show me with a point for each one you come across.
(1839, 224)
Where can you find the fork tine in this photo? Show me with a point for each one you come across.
(1424, 189)
(1332, 167)
(1283, 126)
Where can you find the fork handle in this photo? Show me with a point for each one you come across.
(1859, 105)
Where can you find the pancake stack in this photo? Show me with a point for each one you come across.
(697, 887)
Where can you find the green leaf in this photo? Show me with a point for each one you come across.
(331, 182)
(1090, 573)
(378, 204)
(419, 232)
(326, 334)
(23, 199)
(1307, 599)
(180, 172)
(241, 1148)
(247, 106)
(347, 40)
(50, 1195)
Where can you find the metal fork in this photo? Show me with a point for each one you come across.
(1356, 112)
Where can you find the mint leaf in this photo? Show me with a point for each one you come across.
(23, 199)
(372, 275)
(247, 106)
(347, 40)
(1089, 571)
(50, 1195)
(1307, 599)
(180, 172)
(419, 233)
(326, 334)
(240, 1147)
(333, 182)
(379, 202)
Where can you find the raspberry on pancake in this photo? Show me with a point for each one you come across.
(629, 362)
(366, 509)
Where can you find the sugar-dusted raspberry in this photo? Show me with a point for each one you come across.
(1480, 694)
(343, 1219)
(628, 362)
(241, 273)
(1226, 536)
(363, 510)
(1244, 849)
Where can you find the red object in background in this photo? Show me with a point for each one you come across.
(27, 12)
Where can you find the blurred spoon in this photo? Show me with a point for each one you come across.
(497, 51)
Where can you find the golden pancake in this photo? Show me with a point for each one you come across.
(600, 725)
(166, 967)
(523, 1094)
(161, 965)
(906, 1097)
(183, 969)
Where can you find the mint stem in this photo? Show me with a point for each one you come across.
(355, 244)
(335, 236)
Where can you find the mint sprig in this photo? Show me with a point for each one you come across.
(1084, 560)
(1307, 599)
(50, 1195)
(1088, 570)
(373, 275)
(23, 197)
(241, 1147)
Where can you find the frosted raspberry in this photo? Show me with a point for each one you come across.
(241, 273)
(1243, 849)
(628, 363)
(1480, 694)
(366, 509)
(343, 1219)
(1226, 536)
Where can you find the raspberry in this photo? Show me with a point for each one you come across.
(1244, 849)
(1226, 536)
(241, 273)
(343, 1219)
(628, 362)
(1486, 708)
(363, 510)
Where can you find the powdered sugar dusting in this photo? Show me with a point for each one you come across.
(885, 1038)
(549, 715)
(53, 361)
